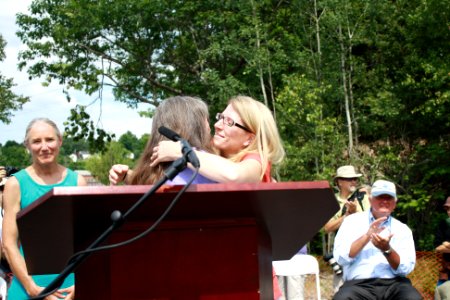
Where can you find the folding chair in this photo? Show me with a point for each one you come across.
(301, 264)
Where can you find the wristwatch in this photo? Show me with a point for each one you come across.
(387, 252)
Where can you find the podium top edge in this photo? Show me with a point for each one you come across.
(210, 187)
(123, 190)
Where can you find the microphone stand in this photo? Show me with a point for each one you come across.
(176, 167)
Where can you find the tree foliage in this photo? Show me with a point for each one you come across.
(9, 101)
(133, 144)
(353, 81)
(80, 127)
(13, 154)
(100, 164)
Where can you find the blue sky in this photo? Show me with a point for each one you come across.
(49, 101)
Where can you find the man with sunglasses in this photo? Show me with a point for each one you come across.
(351, 199)
(376, 251)
(442, 242)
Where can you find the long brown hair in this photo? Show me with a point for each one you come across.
(187, 116)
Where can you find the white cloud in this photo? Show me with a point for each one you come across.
(50, 101)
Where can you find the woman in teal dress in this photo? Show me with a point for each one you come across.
(43, 140)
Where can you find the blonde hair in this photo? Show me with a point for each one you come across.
(259, 119)
(41, 120)
(187, 116)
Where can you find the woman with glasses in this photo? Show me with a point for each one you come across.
(246, 139)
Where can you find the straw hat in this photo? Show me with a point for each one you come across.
(447, 202)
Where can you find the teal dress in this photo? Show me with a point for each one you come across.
(29, 192)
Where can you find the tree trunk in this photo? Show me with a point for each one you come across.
(272, 95)
(350, 91)
(346, 97)
(319, 82)
(258, 49)
(318, 44)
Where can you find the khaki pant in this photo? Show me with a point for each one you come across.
(442, 292)
(338, 281)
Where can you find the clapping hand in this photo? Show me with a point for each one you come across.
(379, 240)
(350, 207)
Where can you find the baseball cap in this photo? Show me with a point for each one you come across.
(384, 187)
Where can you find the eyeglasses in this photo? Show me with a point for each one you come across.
(230, 122)
(447, 208)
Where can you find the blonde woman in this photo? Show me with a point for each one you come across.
(247, 139)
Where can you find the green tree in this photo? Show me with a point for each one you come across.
(14, 155)
(353, 81)
(80, 127)
(211, 49)
(314, 144)
(72, 147)
(9, 101)
(99, 164)
(131, 143)
(141, 145)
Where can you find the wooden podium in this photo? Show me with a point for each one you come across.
(218, 242)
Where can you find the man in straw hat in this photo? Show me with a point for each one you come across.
(351, 200)
(376, 251)
(442, 242)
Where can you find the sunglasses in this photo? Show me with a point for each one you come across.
(349, 179)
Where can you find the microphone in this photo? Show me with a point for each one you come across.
(170, 134)
(186, 149)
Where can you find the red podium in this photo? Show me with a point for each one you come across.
(218, 242)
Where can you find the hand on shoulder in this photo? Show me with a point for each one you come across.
(165, 151)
